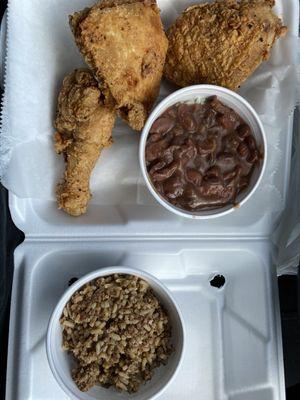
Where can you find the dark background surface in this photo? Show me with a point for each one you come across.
(11, 237)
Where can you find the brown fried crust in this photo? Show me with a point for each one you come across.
(124, 44)
(221, 43)
(84, 127)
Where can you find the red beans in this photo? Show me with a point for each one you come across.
(173, 187)
(253, 157)
(168, 154)
(243, 131)
(214, 174)
(162, 125)
(231, 142)
(250, 141)
(201, 156)
(243, 150)
(156, 167)
(154, 137)
(193, 176)
(177, 130)
(186, 119)
(186, 152)
(225, 121)
(165, 173)
(226, 161)
(170, 112)
(207, 146)
(188, 123)
(154, 150)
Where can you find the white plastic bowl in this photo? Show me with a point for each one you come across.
(199, 93)
(61, 362)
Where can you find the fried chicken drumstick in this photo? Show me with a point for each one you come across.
(124, 44)
(84, 127)
(221, 43)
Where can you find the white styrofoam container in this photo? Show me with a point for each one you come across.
(233, 338)
(233, 335)
(139, 214)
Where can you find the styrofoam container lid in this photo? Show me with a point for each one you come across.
(61, 363)
(197, 94)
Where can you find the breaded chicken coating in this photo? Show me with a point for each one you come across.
(221, 43)
(124, 44)
(84, 127)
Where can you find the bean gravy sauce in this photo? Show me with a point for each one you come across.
(201, 156)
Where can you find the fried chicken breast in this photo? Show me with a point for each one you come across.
(124, 44)
(84, 127)
(221, 43)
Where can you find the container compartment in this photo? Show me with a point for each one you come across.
(226, 292)
(233, 349)
(126, 207)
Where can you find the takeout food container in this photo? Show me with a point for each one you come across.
(61, 363)
(198, 93)
(123, 227)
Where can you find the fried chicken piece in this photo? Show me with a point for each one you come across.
(84, 127)
(124, 44)
(221, 43)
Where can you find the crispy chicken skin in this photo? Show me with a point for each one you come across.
(221, 43)
(84, 127)
(124, 44)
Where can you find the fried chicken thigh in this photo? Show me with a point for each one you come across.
(221, 43)
(84, 127)
(124, 44)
